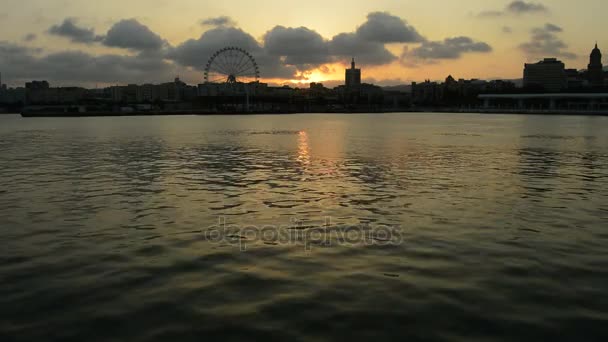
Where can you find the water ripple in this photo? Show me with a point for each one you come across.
(328, 227)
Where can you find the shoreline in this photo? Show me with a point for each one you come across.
(413, 110)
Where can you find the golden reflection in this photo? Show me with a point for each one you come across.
(303, 148)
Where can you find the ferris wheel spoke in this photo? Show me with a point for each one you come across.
(223, 63)
(218, 70)
(240, 62)
(230, 58)
(215, 67)
(251, 67)
(244, 66)
(246, 75)
(218, 79)
(231, 64)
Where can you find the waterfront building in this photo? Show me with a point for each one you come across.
(427, 93)
(595, 70)
(548, 75)
(353, 76)
(37, 85)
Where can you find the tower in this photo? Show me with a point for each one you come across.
(595, 70)
(353, 76)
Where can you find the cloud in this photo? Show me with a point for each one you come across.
(80, 67)
(69, 29)
(10, 52)
(521, 7)
(549, 28)
(507, 29)
(130, 34)
(283, 53)
(30, 37)
(544, 42)
(347, 45)
(301, 47)
(449, 48)
(218, 21)
(196, 52)
(491, 14)
(382, 27)
(516, 8)
(368, 42)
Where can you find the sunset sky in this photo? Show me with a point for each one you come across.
(86, 42)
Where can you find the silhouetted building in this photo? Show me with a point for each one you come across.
(427, 93)
(38, 94)
(595, 70)
(548, 75)
(37, 85)
(12, 95)
(576, 79)
(353, 76)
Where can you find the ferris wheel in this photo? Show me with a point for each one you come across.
(231, 65)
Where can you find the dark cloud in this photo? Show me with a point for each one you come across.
(383, 27)
(283, 53)
(516, 8)
(80, 67)
(196, 52)
(218, 21)
(347, 45)
(300, 46)
(544, 42)
(30, 37)
(69, 29)
(521, 7)
(130, 34)
(10, 52)
(449, 48)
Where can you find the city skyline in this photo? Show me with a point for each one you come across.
(395, 41)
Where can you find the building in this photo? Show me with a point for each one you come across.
(37, 85)
(546, 75)
(576, 79)
(427, 93)
(12, 95)
(595, 70)
(61, 95)
(146, 93)
(353, 76)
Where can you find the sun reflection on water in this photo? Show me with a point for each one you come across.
(303, 148)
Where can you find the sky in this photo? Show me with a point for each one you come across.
(92, 42)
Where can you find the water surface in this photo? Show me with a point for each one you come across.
(433, 227)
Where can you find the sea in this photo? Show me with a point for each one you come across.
(306, 227)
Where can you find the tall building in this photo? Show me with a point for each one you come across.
(595, 71)
(353, 76)
(548, 74)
